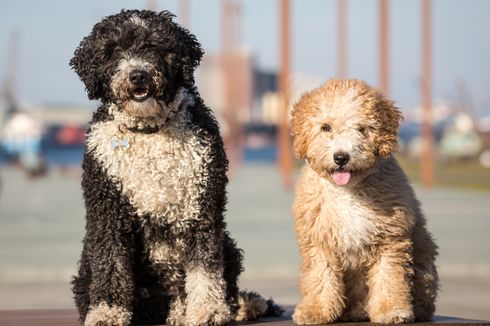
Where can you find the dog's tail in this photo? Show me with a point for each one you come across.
(252, 305)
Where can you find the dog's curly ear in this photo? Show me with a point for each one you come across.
(299, 127)
(85, 62)
(191, 54)
(389, 118)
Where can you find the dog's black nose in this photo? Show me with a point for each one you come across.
(341, 158)
(139, 77)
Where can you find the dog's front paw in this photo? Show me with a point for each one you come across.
(211, 314)
(311, 314)
(205, 301)
(394, 316)
(104, 315)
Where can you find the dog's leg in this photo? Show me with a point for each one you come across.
(389, 281)
(109, 245)
(233, 266)
(81, 285)
(204, 285)
(426, 281)
(176, 314)
(322, 289)
(112, 286)
(175, 283)
(356, 296)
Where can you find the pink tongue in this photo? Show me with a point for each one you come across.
(341, 178)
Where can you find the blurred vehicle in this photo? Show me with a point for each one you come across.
(460, 140)
(20, 142)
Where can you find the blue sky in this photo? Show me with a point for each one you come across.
(51, 30)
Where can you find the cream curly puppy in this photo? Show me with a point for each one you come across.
(366, 252)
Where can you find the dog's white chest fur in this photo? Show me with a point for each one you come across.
(354, 227)
(162, 174)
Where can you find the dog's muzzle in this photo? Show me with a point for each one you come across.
(141, 82)
(341, 175)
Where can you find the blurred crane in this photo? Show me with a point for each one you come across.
(284, 136)
(184, 13)
(342, 55)
(151, 5)
(384, 47)
(427, 160)
(231, 41)
(8, 85)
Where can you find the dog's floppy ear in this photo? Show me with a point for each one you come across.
(191, 54)
(85, 62)
(299, 126)
(389, 118)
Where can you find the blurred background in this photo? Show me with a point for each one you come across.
(431, 57)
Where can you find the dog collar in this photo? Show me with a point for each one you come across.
(152, 125)
(145, 130)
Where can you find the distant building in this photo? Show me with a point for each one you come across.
(270, 105)
(237, 93)
(252, 92)
(265, 105)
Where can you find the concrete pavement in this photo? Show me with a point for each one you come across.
(41, 227)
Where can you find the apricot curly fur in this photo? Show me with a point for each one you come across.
(366, 252)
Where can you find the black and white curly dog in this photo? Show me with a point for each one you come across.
(156, 249)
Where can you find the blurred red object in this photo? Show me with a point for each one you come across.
(70, 135)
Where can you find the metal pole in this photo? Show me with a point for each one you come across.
(9, 83)
(427, 160)
(342, 38)
(232, 140)
(384, 59)
(284, 145)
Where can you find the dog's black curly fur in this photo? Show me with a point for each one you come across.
(164, 43)
(116, 269)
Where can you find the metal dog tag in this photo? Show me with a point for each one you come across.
(120, 143)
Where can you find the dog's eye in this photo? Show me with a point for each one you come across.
(365, 130)
(326, 127)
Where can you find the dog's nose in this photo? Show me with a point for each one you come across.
(139, 77)
(341, 158)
